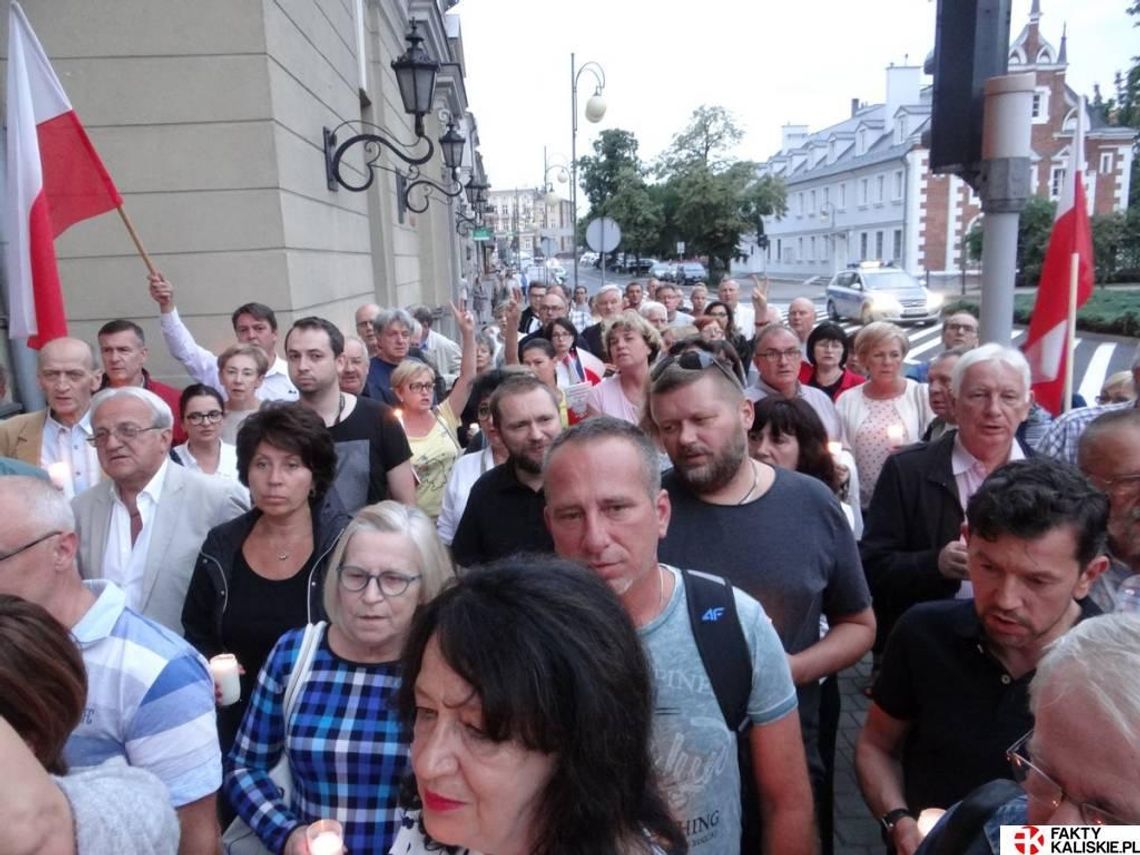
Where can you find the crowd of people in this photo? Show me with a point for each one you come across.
(579, 582)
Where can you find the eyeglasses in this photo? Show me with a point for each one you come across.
(1114, 398)
(693, 360)
(123, 433)
(1043, 790)
(421, 387)
(390, 583)
(1122, 486)
(792, 353)
(484, 410)
(213, 417)
(28, 546)
(960, 328)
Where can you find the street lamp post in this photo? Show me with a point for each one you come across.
(595, 110)
(562, 174)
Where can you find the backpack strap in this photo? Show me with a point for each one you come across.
(310, 641)
(721, 644)
(968, 820)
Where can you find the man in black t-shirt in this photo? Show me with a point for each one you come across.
(952, 694)
(373, 459)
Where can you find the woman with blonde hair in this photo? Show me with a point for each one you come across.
(347, 751)
(241, 369)
(433, 430)
(888, 411)
(631, 346)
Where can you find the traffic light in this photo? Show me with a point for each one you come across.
(971, 44)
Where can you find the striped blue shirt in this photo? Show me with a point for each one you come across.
(347, 751)
(150, 699)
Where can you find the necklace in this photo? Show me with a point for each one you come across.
(755, 484)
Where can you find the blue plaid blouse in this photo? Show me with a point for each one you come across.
(347, 752)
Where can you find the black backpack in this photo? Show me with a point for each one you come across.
(728, 663)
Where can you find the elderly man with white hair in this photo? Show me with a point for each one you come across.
(142, 526)
(607, 302)
(912, 547)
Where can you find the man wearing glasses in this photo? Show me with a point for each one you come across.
(959, 330)
(142, 527)
(953, 692)
(1109, 455)
(777, 357)
(1080, 765)
(150, 698)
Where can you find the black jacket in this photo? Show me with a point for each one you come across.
(914, 513)
(208, 595)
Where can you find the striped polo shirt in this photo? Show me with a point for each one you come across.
(150, 699)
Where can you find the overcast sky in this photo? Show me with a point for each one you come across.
(769, 63)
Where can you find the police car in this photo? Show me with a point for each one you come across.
(871, 291)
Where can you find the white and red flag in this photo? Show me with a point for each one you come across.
(1066, 283)
(54, 179)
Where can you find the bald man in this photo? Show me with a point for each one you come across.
(365, 315)
(801, 320)
(55, 439)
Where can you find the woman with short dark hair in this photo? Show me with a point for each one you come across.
(261, 574)
(826, 368)
(534, 737)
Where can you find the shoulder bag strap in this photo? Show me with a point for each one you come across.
(721, 644)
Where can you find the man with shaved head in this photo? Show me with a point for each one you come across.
(801, 320)
(365, 315)
(56, 439)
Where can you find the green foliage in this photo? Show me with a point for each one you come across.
(638, 213)
(1033, 228)
(613, 162)
(1112, 311)
(705, 143)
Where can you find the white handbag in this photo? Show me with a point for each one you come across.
(239, 838)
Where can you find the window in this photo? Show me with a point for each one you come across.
(811, 250)
(842, 197)
(1036, 104)
(800, 204)
(880, 188)
(1106, 161)
(827, 194)
(1041, 105)
(897, 254)
(779, 248)
(823, 242)
(898, 185)
(864, 189)
(799, 247)
(878, 245)
(1056, 182)
(863, 246)
(813, 208)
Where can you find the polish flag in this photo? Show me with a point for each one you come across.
(54, 179)
(1066, 283)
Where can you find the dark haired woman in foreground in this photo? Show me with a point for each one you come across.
(530, 702)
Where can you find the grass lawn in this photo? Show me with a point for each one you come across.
(1109, 310)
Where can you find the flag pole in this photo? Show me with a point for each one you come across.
(1070, 331)
(135, 237)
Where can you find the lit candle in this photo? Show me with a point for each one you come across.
(896, 434)
(928, 819)
(834, 448)
(60, 475)
(473, 429)
(399, 416)
(224, 668)
(325, 837)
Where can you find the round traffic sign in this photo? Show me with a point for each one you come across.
(603, 235)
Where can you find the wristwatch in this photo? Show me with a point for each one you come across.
(890, 819)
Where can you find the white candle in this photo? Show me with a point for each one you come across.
(326, 843)
(224, 668)
(928, 819)
(896, 434)
(60, 475)
(834, 448)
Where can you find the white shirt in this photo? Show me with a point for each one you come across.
(202, 364)
(75, 460)
(744, 316)
(968, 476)
(466, 471)
(124, 563)
(227, 461)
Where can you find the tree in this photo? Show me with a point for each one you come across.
(638, 213)
(1033, 229)
(706, 142)
(614, 161)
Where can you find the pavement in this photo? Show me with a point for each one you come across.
(856, 832)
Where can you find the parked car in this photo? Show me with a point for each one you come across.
(588, 258)
(690, 272)
(640, 265)
(874, 292)
(663, 270)
(545, 274)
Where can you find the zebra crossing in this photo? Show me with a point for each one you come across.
(1096, 358)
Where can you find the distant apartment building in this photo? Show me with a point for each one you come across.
(524, 214)
(861, 189)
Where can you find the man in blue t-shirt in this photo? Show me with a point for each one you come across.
(605, 508)
(150, 697)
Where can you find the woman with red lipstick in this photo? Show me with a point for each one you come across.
(530, 704)
(346, 749)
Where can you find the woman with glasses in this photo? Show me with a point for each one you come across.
(571, 365)
(204, 451)
(346, 748)
(826, 368)
(724, 316)
(241, 370)
(885, 413)
(433, 430)
(260, 574)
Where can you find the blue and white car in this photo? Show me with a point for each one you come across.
(875, 292)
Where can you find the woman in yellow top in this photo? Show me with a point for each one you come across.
(432, 430)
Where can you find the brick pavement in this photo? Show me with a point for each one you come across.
(856, 833)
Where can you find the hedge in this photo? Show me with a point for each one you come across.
(1111, 311)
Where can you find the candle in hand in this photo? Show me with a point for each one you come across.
(224, 668)
(896, 434)
(326, 843)
(834, 448)
(928, 819)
